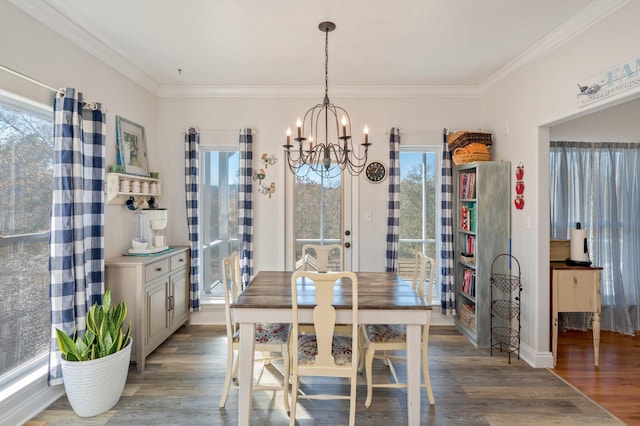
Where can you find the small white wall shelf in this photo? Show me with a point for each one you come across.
(114, 195)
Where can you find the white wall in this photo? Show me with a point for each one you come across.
(620, 123)
(542, 94)
(220, 120)
(34, 50)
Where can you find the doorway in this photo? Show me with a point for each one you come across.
(322, 214)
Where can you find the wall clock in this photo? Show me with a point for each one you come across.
(376, 172)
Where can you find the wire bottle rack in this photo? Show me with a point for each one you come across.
(506, 289)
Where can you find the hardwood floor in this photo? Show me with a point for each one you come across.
(183, 379)
(615, 383)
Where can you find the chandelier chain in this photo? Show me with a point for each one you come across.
(326, 64)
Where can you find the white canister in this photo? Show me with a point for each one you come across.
(158, 241)
(125, 185)
(135, 186)
(145, 187)
(154, 188)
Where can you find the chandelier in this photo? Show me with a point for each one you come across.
(324, 158)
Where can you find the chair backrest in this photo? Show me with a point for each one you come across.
(324, 313)
(322, 256)
(231, 281)
(424, 276)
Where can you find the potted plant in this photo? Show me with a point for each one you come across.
(95, 365)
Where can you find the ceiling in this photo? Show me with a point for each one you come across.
(243, 44)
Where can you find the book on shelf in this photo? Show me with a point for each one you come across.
(469, 282)
(467, 185)
(468, 217)
(471, 246)
(468, 316)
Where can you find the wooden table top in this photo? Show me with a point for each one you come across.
(563, 265)
(376, 290)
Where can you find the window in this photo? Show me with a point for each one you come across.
(26, 174)
(318, 215)
(418, 212)
(219, 213)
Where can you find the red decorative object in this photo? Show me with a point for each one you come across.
(519, 201)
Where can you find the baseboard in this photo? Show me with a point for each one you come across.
(536, 359)
(29, 400)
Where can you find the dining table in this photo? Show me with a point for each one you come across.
(383, 298)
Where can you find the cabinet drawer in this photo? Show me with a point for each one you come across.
(178, 261)
(157, 269)
(577, 291)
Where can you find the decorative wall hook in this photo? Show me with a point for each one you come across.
(259, 175)
(267, 190)
(268, 160)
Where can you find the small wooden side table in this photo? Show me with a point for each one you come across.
(575, 289)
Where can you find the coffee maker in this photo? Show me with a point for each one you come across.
(150, 225)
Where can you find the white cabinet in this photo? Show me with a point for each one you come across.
(575, 289)
(156, 290)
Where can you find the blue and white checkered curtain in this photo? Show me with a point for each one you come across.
(76, 259)
(448, 294)
(191, 184)
(245, 206)
(393, 217)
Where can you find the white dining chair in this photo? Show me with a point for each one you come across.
(393, 337)
(270, 337)
(324, 354)
(318, 257)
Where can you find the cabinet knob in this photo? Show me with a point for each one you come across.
(181, 260)
(158, 269)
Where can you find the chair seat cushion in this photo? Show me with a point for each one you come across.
(386, 333)
(272, 332)
(308, 349)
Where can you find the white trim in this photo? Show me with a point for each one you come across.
(58, 22)
(54, 19)
(587, 17)
(28, 395)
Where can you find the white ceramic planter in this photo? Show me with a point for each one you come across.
(95, 386)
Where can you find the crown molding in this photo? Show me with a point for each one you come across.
(579, 23)
(313, 91)
(52, 18)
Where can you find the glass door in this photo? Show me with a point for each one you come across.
(219, 213)
(322, 211)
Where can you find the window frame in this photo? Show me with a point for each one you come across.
(32, 373)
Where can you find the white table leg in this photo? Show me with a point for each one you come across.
(413, 373)
(245, 373)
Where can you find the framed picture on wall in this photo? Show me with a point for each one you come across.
(131, 145)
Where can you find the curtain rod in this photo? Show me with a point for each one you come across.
(58, 92)
(25, 77)
(417, 132)
(235, 131)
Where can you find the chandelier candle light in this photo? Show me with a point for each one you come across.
(326, 159)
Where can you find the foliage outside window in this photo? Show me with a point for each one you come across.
(417, 208)
(219, 213)
(318, 212)
(26, 173)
